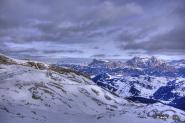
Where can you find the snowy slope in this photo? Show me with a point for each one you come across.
(149, 78)
(39, 93)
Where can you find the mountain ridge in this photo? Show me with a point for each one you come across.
(30, 93)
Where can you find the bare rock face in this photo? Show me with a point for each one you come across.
(6, 60)
(10, 61)
(35, 65)
(150, 63)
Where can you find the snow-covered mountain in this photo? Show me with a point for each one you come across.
(146, 62)
(34, 92)
(136, 66)
(149, 78)
(164, 89)
(178, 63)
(106, 64)
(152, 66)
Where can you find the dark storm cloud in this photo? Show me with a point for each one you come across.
(149, 25)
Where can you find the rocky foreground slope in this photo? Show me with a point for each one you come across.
(33, 92)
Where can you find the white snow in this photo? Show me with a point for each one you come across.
(29, 95)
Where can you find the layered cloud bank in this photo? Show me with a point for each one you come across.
(94, 28)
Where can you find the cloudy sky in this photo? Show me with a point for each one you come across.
(93, 28)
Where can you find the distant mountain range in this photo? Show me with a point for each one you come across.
(146, 78)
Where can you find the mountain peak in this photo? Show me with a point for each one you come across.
(105, 63)
(97, 61)
(145, 62)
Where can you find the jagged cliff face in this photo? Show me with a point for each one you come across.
(152, 63)
(34, 92)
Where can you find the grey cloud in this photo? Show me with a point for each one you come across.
(110, 11)
(168, 33)
(99, 56)
(173, 40)
(130, 24)
(63, 51)
(85, 17)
